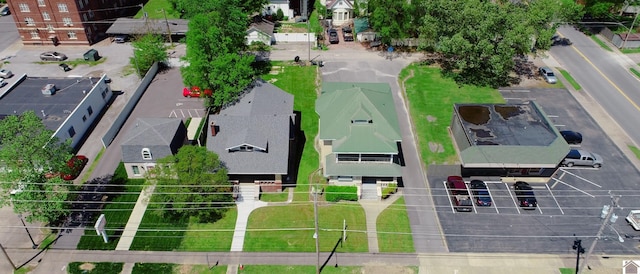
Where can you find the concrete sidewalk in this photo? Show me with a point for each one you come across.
(247, 202)
(129, 232)
(373, 208)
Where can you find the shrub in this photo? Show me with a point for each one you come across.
(390, 189)
(279, 15)
(337, 193)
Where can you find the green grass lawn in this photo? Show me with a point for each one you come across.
(602, 44)
(274, 196)
(635, 151)
(394, 219)
(195, 240)
(431, 100)
(98, 268)
(299, 269)
(570, 79)
(154, 10)
(299, 218)
(117, 213)
(567, 270)
(301, 82)
(628, 51)
(160, 268)
(635, 72)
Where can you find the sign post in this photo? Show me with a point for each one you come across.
(99, 226)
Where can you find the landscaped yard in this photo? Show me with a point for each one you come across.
(98, 268)
(394, 232)
(154, 10)
(290, 228)
(157, 268)
(116, 212)
(431, 100)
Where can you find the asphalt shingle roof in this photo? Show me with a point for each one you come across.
(153, 133)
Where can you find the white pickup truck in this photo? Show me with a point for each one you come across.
(581, 157)
(634, 219)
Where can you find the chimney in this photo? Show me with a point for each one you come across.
(213, 128)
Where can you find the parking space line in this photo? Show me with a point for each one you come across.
(471, 196)
(586, 193)
(448, 197)
(554, 198)
(493, 201)
(512, 199)
(173, 114)
(581, 178)
(539, 209)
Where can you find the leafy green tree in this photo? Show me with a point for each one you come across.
(391, 19)
(191, 8)
(28, 153)
(279, 15)
(147, 49)
(215, 43)
(477, 40)
(192, 183)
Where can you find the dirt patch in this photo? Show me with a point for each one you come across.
(435, 147)
(385, 269)
(185, 269)
(87, 267)
(431, 119)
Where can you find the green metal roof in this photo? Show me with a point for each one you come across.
(360, 169)
(360, 117)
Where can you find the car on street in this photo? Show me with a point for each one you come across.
(480, 193)
(5, 11)
(548, 75)
(52, 56)
(196, 92)
(75, 166)
(5, 73)
(333, 36)
(64, 67)
(572, 137)
(459, 194)
(524, 193)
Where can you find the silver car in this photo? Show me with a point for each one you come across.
(52, 56)
(5, 73)
(548, 75)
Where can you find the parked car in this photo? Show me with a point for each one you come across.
(548, 75)
(572, 137)
(581, 157)
(75, 165)
(459, 194)
(52, 56)
(480, 193)
(64, 67)
(2, 82)
(195, 92)
(347, 34)
(525, 195)
(5, 73)
(333, 36)
(120, 39)
(5, 11)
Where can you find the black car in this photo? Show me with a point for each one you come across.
(525, 195)
(64, 67)
(333, 36)
(572, 137)
(480, 193)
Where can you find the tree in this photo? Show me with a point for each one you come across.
(192, 183)
(147, 49)
(215, 43)
(476, 40)
(391, 19)
(191, 8)
(28, 153)
(279, 15)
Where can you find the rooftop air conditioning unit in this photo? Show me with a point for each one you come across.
(49, 89)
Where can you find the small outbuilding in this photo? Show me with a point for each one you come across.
(91, 55)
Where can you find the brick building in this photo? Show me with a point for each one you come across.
(68, 22)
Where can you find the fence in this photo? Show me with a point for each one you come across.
(128, 108)
(294, 37)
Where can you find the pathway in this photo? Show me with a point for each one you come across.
(135, 219)
(373, 208)
(247, 202)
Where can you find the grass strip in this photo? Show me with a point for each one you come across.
(274, 197)
(630, 50)
(296, 269)
(569, 78)
(394, 231)
(635, 151)
(601, 43)
(635, 72)
(97, 268)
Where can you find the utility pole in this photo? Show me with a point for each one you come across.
(34, 245)
(314, 188)
(605, 218)
(164, 12)
(629, 32)
(577, 246)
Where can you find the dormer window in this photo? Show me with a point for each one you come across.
(146, 154)
(246, 148)
(361, 121)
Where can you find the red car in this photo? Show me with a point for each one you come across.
(195, 92)
(75, 164)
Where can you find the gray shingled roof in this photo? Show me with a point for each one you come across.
(261, 118)
(140, 26)
(153, 133)
(263, 26)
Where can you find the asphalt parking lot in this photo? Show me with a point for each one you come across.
(570, 203)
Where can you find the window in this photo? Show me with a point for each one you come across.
(63, 8)
(146, 154)
(84, 17)
(376, 158)
(90, 110)
(361, 121)
(34, 34)
(84, 118)
(348, 157)
(81, 4)
(29, 21)
(41, 3)
(72, 132)
(72, 35)
(345, 178)
(67, 21)
(45, 16)
(24, 7)
(136, 170)
(50, 28)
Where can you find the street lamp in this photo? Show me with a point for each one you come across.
(34, 245)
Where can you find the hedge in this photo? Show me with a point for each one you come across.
(387, 191)
(337, 193)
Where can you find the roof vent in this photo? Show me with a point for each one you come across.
(49, 89)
